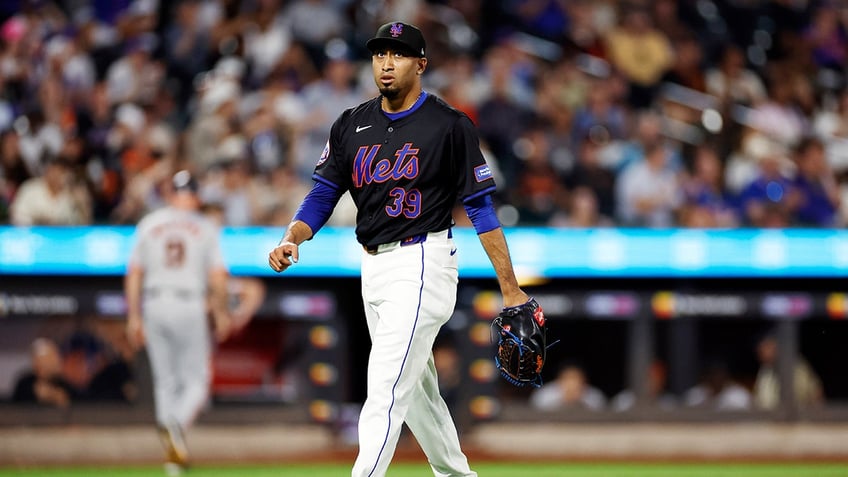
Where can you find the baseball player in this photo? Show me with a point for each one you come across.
(406, 157)
(175, 271)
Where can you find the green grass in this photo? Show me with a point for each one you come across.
(484, 470)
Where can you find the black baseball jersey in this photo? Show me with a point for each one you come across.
(404, 175)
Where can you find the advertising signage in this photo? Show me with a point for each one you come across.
(538, 253)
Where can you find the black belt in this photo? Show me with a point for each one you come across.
(411, 240)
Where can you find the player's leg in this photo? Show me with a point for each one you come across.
(176, 449)
(193, 363)
(160, 353)
(429, 417)
(393, 369)
(430, 421)
(403, 330)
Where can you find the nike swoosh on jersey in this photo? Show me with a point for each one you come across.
(453, 252)
(362, 128)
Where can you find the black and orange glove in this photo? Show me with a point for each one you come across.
(522, 343)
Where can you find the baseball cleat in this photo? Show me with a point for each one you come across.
(173, 469)
(175, 446)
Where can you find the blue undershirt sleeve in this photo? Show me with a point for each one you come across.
(318, 205)
(481, 211)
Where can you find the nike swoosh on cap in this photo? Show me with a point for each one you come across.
(362, 128)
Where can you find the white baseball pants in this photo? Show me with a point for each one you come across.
(409, 293)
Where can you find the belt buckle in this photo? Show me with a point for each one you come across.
(414, 239)
(411, 240)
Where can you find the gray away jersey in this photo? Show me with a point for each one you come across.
(176, 249)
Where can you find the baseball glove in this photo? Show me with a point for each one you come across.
(522, 343)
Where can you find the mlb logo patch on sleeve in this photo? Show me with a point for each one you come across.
(482, 173)
(324, 155)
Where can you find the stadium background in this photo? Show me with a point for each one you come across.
(122, 93)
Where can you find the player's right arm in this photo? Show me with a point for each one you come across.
(317, 206)
(312, 214)
(132, 293)
(133, 285)
(286, 252)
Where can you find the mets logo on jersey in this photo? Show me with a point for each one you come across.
(324, 155)
(397, 30)
(482, 173)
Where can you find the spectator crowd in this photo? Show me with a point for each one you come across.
(665, 113)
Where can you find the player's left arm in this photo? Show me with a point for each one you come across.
(476, 184)
(482, 213)
(217, 277)
(494, 243)
(218, 307)
(251, 293)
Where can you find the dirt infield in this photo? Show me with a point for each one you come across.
(75, 445)
(678, 441)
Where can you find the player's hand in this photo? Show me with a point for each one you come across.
(223, 327)
(135, 332)
(283, 256)
(518, 297)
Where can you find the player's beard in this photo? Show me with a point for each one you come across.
(390, 93)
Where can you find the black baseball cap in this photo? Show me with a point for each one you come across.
(183, 181)
(398, 35)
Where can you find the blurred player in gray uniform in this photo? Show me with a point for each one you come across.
(406, 157)
(176, 273)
